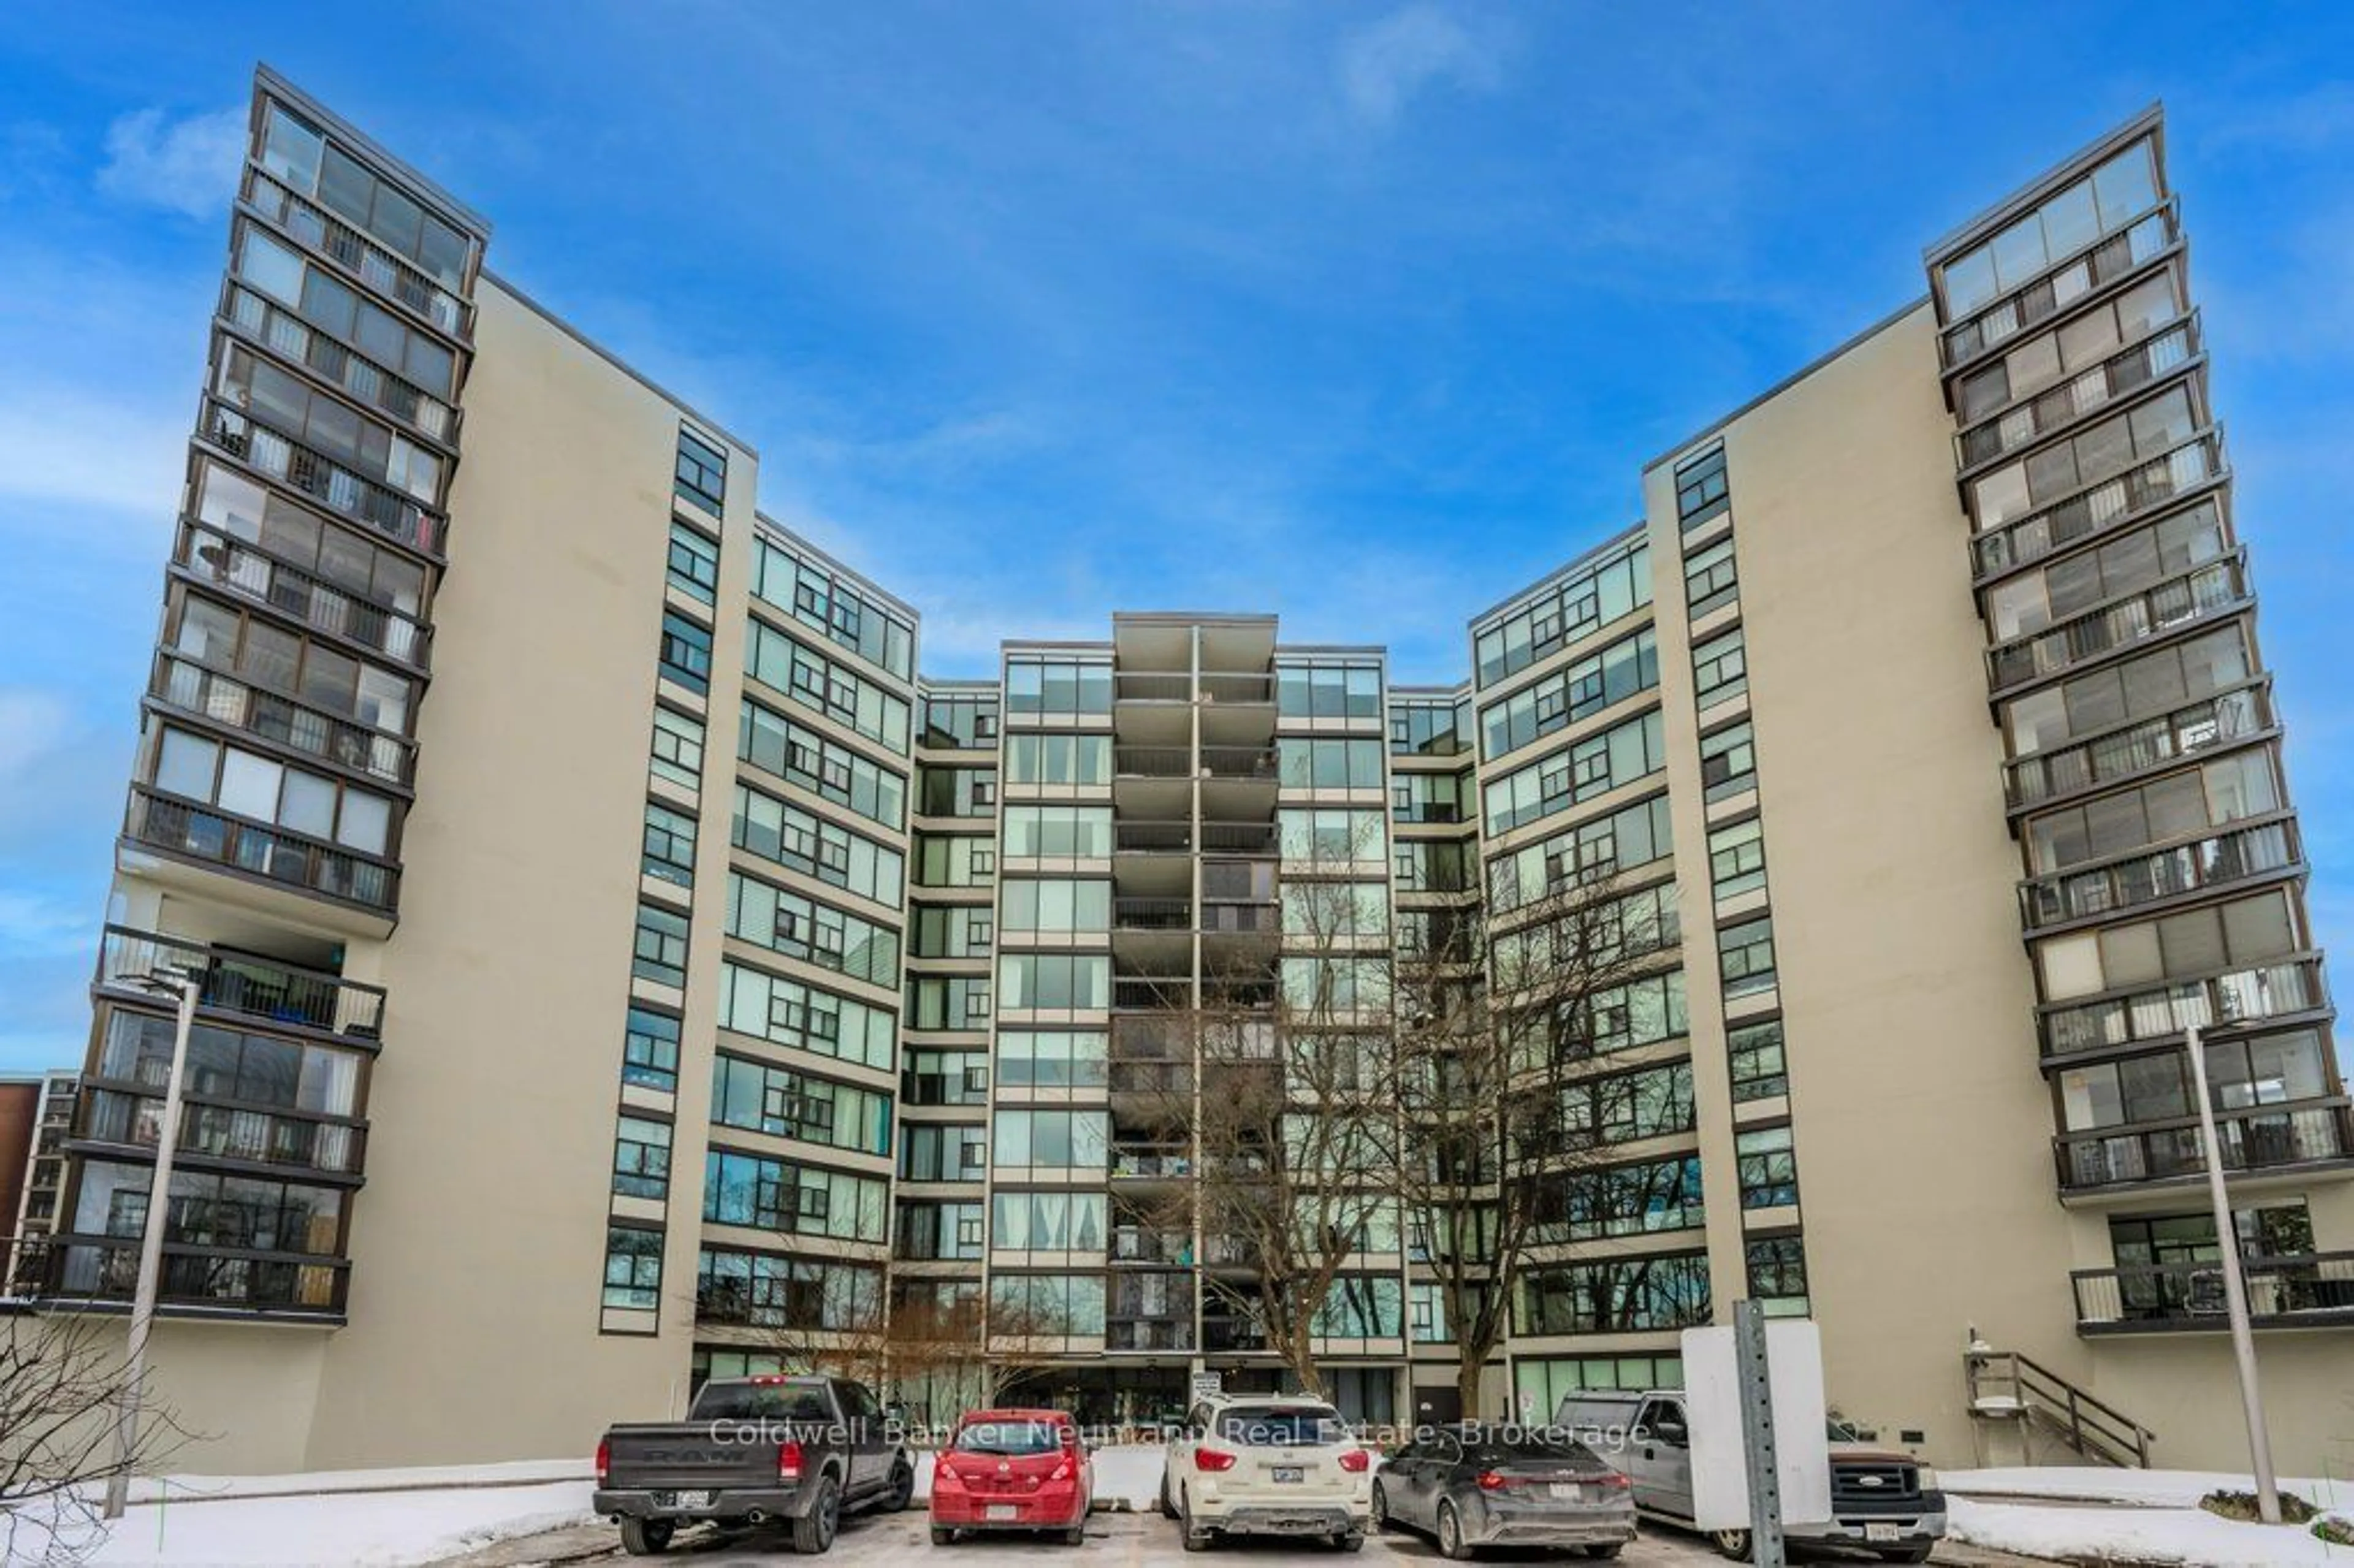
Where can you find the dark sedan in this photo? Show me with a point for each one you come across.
(1472, 1486)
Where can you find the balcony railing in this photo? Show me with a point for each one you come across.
(1238, 762)
(1136, 1243)
(2152, 742)
(379, 268)
(2163, 1013)
(343, 366)
(1151, 1078)
(1149, 1334)
(298, 726)
(227, 1132)
(2105, 506)
(185, 827)
(1152, 838)
(2299, 1290)
(392, 513)
(2103, 264)
(106, 1268)
(2216, 585)
(2253, 1139)
(1153, 687)
(1143, 1038)
(1140, 993)
(1233, 1334)
(236, 565)
(1156, 1161)
(2216, 861)
(1152, 761)
(1152, 915)
(1238, 690)
(1239, 838)
(255, 987)
(2096, 388)
(1245, 916)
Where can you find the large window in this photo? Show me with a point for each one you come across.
(956, 791)
(1619, 1201)
(1617, 1295)
(1057, 1140)
(1317, 690)
(792, 1293)
(1767, 1166)
(1711, 581)
(1044, 833)
(1720, 668)
(390, 347)
(2114, 697)
(1561, 612)
(1056, 905)
(1728, 761)
(1594, 766)
(245, 784)
(1651, 1102)
(1053, 1059)
(2115, 195)
(960, 721)
(1754, 1051)
(1036, 687)
(1419, 727)
(800, 840)
(1736, 859)
(1303, 764)
(659, 953)
(243, 1213)
(702, 475)
(2181, 805)
(1048, 1221)
(931, 1232)
(642, 1158)
(634, 1259)
(1430, 797)
(2130, 563)
(769, 740)
(259, 652)
(1361, 1306)
(693, 563)
(800, 928)
(1618, 1018)
(1776, 1267)
(1077, 760)
(824, 686)
(950, 930)
(1625, 841)
(1628, 666)
(787, 1012)
(686, 653)
(787, 1104)
(962, 861)
(279, 400)
(2148, 431)
(1701, 488)
(1745, 957)
(782, 1195)
(677, 748)
(296, 151)
(948, 1002)
(2080, 345)
(931, 1153)
(649, 1049)
(669, 845)
(2204, 941)
(1332, 838)
(819, 596)
(1033, 1304)
(1054, 982)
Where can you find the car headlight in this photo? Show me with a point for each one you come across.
(1928, 1478)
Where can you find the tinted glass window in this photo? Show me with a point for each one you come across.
(755, 1402)
(1009, 1437)
(1274, 1426)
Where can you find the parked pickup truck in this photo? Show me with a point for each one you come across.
(755, 1450)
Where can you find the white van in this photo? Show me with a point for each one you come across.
(1884, 1500)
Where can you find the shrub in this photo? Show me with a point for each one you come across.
(2334, 1529)
(2294, 1509)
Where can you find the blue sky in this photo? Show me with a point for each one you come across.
(1365, 314)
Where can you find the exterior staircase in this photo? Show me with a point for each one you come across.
(2022, 1409)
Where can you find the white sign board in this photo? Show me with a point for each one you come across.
(1719, 1468)
(1208, 1385)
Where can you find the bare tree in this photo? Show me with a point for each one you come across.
(1293, 1120)
(1500, 1133)
(61, 1384)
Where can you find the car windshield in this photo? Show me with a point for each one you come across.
(1281, 1426)
(1525, 1448)
(762, 1402)
(1009, 1437)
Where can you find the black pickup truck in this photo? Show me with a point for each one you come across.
(753, 1451)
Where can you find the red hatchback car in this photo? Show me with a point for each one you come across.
(1012, 1469)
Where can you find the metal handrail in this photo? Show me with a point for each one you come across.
(2094, 1428)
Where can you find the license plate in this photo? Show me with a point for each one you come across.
(1290, 1475)
(999, 1511)
(684, 1499)
(1882, 1532)
(1568, 1491)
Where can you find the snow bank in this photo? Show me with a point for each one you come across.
(340, 1526)
(2190, 1536)
(2155, 1489)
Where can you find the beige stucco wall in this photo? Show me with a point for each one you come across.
(1922, 1124)
(478, 1243)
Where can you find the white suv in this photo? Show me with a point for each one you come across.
(1268, 1465)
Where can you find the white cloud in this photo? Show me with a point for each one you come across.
(1385, 66)
(32, 725)
(59, 445)
(186, 165)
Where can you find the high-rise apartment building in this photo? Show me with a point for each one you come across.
(620, 964)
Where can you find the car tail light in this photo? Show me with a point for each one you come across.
(789, 1461)
(1211, 1459)
(1493, 1481)
(604, 1460)
(1062, 1472)
(945, 1475)
(1612, 1481)
(1357, 1461)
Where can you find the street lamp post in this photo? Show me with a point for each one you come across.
(151, 1242)
(2235, 1288)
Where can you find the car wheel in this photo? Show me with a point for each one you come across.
(645, 1536)
(1605, 1551)
(1349, 1541)
(1195, 1540)
(1075, 1536)
(1382, 1520)
(902, 1490)
(1732, 1544)
(1450, 1533)
(942, 1535)
(1909, 1553)
(813, 1532)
